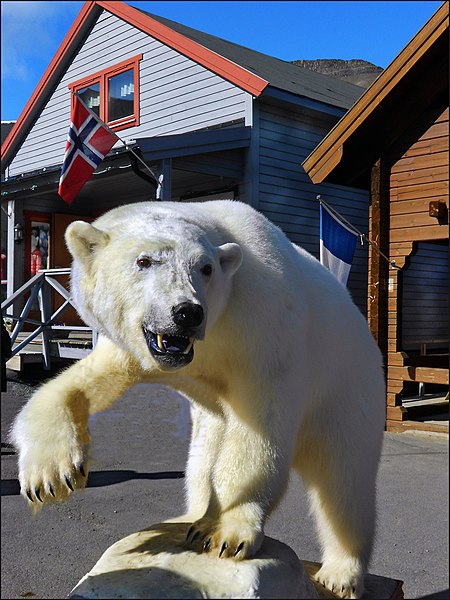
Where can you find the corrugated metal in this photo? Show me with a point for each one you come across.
(177, 95)
(287, 196)
(425, 298)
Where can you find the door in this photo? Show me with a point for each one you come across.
(63, 259)
(38, 248)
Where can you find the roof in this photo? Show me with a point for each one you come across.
(416, 80)
(6, 127)
(278, 73)
(247, 69)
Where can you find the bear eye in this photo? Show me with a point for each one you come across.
(144, 262)
(206, 270)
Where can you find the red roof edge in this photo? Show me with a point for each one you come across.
(227, 69)
(218, 64)
(71, 34)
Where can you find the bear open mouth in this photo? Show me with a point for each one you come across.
(170, 350)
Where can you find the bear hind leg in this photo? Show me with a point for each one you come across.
(342, 500)
(344, 550)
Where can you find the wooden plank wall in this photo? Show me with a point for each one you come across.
(177, 95)
(418, 176)
(288, 197)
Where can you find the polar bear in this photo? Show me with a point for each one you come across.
(282, 372)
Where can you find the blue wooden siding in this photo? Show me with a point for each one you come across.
(288, 197)
(177, 95)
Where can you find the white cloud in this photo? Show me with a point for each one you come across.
(35, 10)
(31, 34)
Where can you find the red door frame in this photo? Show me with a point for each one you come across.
(42, 217)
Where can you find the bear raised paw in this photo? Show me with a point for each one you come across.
(282, 372)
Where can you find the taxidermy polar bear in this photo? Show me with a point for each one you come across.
(213, 300)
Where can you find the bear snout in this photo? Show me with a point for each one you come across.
(188, 316)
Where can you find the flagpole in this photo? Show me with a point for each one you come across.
(158, 180)
(357, 232)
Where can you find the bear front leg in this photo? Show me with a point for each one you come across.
(206, 439)
(51, 431)
(250, 477)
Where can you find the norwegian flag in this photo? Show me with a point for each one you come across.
(88, 142)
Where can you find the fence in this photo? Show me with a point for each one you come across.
(40, 289)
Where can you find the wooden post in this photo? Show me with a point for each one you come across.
(45, 302)
(14, 254)
(166, 170)
(379, 266)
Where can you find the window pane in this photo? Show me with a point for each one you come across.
(91, 97)
(121, 96)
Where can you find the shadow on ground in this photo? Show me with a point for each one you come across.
(11, 487)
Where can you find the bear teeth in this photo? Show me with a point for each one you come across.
(159, 339)
(188, 349)
(162, 347)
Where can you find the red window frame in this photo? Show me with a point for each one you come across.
(102, 77)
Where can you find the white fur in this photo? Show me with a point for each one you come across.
(285, 375)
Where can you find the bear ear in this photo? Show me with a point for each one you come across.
(230, 257)
(83, 238)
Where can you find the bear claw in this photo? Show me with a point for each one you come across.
(346, 588)
(50, 489)
(190, 530)
(206, 544)
(36, 493)
(224, 547)
(239, 548)
(68, 483)
(30, 498)
(195, 536)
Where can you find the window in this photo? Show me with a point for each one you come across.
(113, 94)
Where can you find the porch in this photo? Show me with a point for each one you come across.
(38, 333)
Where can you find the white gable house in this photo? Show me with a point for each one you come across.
(217, 120)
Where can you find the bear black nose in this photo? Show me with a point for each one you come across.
(188, 314)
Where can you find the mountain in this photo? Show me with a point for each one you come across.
(359, 72)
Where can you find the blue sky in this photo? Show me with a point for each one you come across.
(374, 31)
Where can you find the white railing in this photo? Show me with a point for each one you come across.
(39, 288)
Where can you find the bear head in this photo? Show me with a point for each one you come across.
(152, 286)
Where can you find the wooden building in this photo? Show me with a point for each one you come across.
(216, 119)
(394, 142)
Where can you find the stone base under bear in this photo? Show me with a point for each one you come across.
(154, 563)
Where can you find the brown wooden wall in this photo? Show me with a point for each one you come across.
(419, 174)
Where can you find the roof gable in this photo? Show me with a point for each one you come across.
(247, 69)
(76, 35)
(204, 56)
(383, 111)
(47, 82)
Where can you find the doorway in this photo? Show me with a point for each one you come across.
(63, 259)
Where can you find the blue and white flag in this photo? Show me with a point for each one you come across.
(337, 244)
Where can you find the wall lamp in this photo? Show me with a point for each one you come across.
(18, 232)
